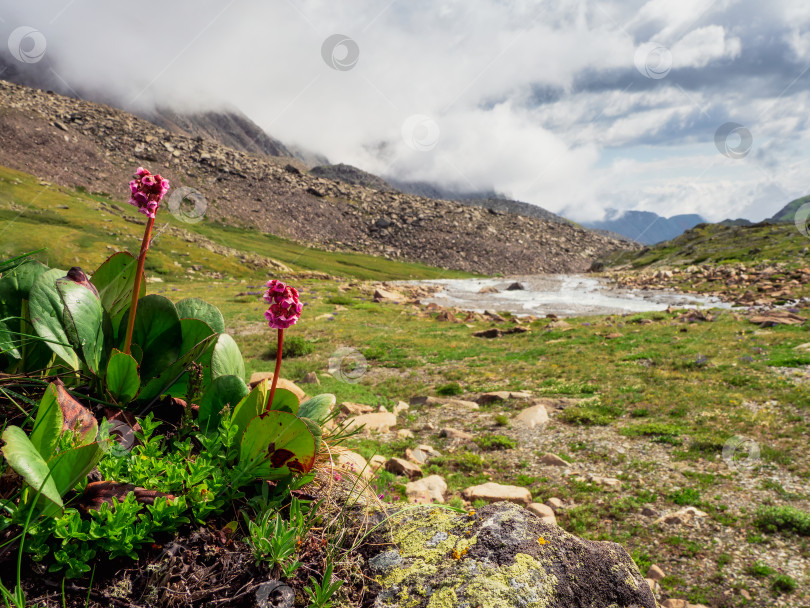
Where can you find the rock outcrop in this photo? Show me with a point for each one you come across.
(78, 143)
(502, 556)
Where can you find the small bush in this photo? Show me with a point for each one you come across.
(657, 431)
(783, 519)
(782, 583)
(759, 570)
(294, 346)
(686, 496)
(590, 415)
(450, 389)
(502, 420)
(495, 442)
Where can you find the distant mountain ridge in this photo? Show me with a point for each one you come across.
(645, 226)
(786, 214)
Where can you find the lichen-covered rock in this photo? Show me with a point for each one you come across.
(501, 556)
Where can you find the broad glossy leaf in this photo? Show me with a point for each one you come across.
(114, 280)
(75, 417)
(15, 286)
(315, 429)
(166, 379)
(47, 310)
(195, 308)
(277, 444)
(317, 407)
(225, 390)
(83, 321)
(285, 401)
(251, 406)
(193, 331)
(122, 378)
(27, 462)
(157, 331)
(48, 423)
(71, 466)
(226, 360)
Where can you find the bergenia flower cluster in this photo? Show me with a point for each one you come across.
(285, 309)
(147, 191)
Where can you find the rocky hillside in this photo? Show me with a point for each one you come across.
(78, 143)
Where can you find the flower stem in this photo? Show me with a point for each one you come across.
(278, 369)
(137, 287)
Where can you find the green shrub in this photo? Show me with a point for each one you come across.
(450, 389)
(686, 496)
(340, 300)
(495, 442)
(783, 519)
(759, 570)
(590, 415)
(294, 346)
(782, 583)
(502, 420)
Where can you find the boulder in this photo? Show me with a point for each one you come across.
(355, 409)
(544, 512)
(383, 295)
(355, 463)
(777, 317)
(555, 503)
(500, 556)
(429, 489)
(533, 416)
(378, 422)
(405, 434)
(495, 492)
(493, 397)
(401, 406)
(655, 573)
(398, 466)
(310, 378)
(515, 287)
(451, 433)
(489, 289)
(376, 462)
(553, 460)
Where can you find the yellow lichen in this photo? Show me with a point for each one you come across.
(541, 541)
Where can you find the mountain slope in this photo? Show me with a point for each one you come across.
(646, 227)
(788, 212)
(82, 144)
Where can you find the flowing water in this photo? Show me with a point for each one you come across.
(561, 294)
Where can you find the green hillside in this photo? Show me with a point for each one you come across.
(80, 229)
(719, 244)
(788, 212)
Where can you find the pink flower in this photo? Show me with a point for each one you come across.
(147, 191)
(285, 309)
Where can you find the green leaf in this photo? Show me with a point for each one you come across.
(277, 444)
(318, 407)
(315, 429)
(285, 401)
(48, 423)
(71, 466)
(15, 286)
(27, 462)
(157, 331)
(115, 280)
(226, 360)
(122, 380)
(83, 321)
(47, 309)
(250, 407)
(195, 308)
(225, 390)
(167, 378)
(193, 331)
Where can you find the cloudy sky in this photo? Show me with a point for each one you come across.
(672, 106)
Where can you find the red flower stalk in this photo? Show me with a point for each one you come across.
(147, 190)
(284, 312)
